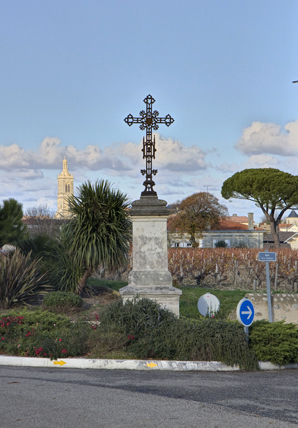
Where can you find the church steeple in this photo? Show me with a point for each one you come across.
(65, 165)
(65, 190)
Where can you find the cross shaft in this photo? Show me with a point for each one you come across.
(149, 120)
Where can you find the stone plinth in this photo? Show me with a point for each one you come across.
(150, 276)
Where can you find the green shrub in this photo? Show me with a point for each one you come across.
(58, 301)
(275, 342)
(20, 280)
(220, 244)
(43, 334)
(154, 332)
(108, 344)
(206, 340)
(46, 320)
(61, 343)
(137, 317)
(241, 244)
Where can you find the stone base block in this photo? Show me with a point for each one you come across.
(141, 278)
(167, 297)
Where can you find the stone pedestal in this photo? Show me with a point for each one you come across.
(150, 277)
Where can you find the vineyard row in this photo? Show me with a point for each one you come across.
(233, 268)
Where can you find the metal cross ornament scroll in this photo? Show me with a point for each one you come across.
(149, 120)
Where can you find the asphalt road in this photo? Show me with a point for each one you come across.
(69, 398)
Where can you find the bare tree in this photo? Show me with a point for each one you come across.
(41, 220)
(40, 211)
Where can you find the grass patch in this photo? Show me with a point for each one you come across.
(229, 300)
(113, 285)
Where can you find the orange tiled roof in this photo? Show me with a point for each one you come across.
(227, 224)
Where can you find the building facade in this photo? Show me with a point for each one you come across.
(232, 238)
(235, 234)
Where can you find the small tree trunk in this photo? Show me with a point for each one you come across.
(193, 240)
(275, 233)
(83, 280)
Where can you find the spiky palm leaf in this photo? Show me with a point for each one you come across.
(100, 230)
(20, 280)
(39, 245)
(65, 273)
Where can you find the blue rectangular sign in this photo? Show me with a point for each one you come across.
(267, 257)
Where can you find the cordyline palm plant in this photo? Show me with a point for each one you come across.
(99, 233)
(59, 266)
(20, 280)
(65, 272)
(41, 245)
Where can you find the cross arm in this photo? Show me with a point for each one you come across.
(130, 120)
(167, 120)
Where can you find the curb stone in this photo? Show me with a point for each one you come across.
(81, 363)
(266, 365)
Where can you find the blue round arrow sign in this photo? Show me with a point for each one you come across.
(245, 312)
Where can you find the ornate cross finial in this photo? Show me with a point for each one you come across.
(149, 120)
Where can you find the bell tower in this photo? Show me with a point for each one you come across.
(65, 190)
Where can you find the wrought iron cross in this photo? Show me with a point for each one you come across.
(149, 120)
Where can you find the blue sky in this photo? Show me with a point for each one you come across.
(71, 71)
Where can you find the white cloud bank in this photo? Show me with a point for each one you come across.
(31, 176)
(171, 155)
(260, 138)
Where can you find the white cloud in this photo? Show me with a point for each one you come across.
(29, 187)
(172, 155)
(262, 161)
(269, 138)
(254, 161)
(14, 156)
(228, 167)
(22, 174)
(22, 171)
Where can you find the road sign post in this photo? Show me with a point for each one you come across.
(246, 331)
(268, 257)
(245, 315)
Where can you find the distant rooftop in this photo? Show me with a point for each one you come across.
(227, 224)
(238, 218)
(293, 214)
(283, 236)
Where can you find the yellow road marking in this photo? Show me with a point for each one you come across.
(59, 363)
(151, 365)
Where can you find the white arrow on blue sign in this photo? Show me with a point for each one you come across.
(245, 312)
